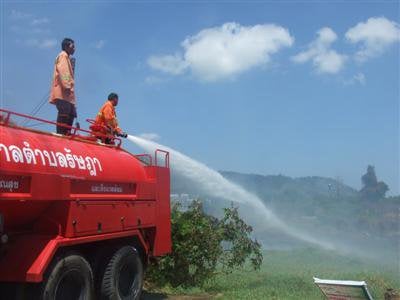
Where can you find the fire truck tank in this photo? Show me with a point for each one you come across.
(73, 207)
(39, 169)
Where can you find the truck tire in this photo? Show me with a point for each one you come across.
(123, 276)
(69, 278)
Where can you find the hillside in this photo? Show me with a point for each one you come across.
(323, 207)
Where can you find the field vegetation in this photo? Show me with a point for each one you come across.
(288, 274)
(364, 223)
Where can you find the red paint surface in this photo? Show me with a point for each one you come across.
(95, 192)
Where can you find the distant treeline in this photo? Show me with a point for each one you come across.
(320, 202)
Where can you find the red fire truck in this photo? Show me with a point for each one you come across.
(78, 219)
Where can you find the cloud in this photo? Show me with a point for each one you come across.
(41, 43)
(173, 64)
(40, 31)
(41, 21)
(359, 78)
(150, 136)
(48, 43)
(19, 15)
(29, 19)
(31, 31)
(375, 36)
(99, 44)
(223, 52)
(319, 51)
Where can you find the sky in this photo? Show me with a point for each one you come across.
(298, 88)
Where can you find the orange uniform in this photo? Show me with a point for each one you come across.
(63, 80)
(106, 120)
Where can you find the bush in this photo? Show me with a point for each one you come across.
(201, 244)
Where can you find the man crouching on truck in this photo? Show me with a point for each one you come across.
(106, 122)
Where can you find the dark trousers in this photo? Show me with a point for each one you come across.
(66, 115)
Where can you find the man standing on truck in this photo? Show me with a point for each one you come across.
(62, 92)
(106, 121)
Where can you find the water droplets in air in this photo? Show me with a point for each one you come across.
(213, 184)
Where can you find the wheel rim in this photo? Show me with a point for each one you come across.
(128, 282)
(70, 286)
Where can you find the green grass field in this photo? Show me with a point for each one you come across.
(289, 275)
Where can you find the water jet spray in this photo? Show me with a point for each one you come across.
(214, 184)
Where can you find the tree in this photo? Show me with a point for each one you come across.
(201, 244)
(372, 189)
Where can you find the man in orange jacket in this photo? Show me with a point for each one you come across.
(106, 121)
(62, 92)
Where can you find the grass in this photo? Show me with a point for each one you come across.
(289, 275)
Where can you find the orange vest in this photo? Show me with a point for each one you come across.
(63, 80)
(106, 120)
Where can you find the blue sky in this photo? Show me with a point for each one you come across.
(293, 88)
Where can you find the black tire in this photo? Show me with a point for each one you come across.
(123, 276)
(70, 278)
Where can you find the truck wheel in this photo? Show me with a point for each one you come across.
(70, 278)
(123, 276)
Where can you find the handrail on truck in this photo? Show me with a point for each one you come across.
(74, 130)
(166, 157)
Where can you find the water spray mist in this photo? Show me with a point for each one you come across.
(214, 184)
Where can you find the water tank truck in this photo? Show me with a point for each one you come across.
(78, 219)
